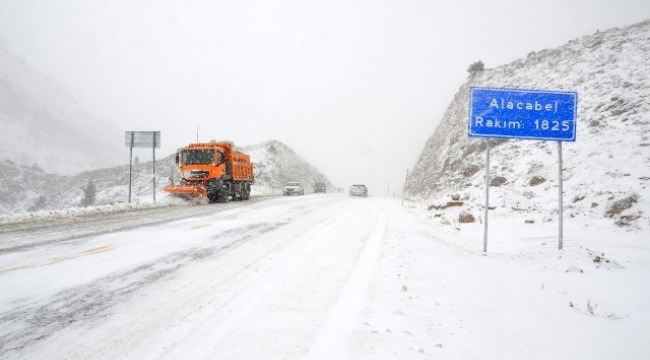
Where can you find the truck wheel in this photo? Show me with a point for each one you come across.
(212, 188)
(222, 197)
(213, 196)
(238, 192)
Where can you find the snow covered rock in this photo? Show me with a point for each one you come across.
(609, 160)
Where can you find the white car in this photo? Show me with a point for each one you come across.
(359, 190)
(293, 188)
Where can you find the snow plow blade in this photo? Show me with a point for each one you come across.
(187, 191)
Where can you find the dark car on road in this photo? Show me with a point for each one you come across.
(320, 187)
(358, 190)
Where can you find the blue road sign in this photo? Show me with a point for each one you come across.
(523, 114)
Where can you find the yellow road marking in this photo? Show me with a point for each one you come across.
(97, 250)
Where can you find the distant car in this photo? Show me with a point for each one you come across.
(293, 188)
(320, 187)
(358, 190)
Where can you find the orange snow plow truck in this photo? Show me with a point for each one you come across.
(214, 171)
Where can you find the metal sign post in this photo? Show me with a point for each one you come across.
(153, 156)
(560, 195)
(525, 115)
(130, 164)
(487, 193)
(142, 139)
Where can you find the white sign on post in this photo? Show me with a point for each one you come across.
(142, 139)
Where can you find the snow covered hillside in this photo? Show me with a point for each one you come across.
(606, 171)
(44, 128)
(28, 189)
(276, 164)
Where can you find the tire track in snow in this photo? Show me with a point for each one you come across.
(287, 323)
(332, 339)
(249, 296)
(207, 294)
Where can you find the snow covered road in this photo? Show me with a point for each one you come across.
(313, 277)
(133, 293)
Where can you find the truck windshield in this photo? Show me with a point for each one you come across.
(198, 157)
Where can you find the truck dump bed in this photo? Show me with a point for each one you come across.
(242, 169)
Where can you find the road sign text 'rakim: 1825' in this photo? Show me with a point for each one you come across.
(523, 114)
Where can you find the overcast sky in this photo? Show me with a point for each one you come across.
(355, 87)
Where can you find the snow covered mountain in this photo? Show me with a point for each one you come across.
(276, 164)
(51, 149)
(44, 128)
(27, 189)
(606, 171)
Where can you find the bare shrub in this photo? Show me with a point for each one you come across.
(476, 68)
(470, 170)
(618, 206)
(465, 217)
(536, 180)
(444, 206)
(498, 181)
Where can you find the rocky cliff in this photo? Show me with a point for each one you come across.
(606, 171)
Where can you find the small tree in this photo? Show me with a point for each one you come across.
(476, 67)
(38, 204)
(90, 193)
